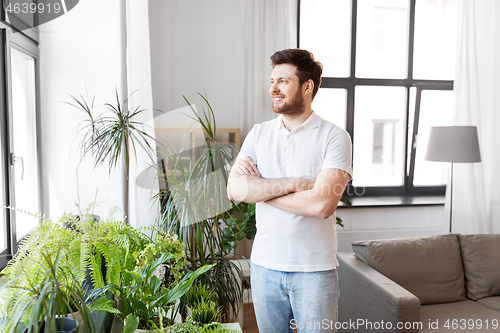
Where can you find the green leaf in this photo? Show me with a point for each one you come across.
(228, 233)
(182, 287)
(101, 292)
(140, 309)
(136, 277)
(146, 272)
(103, 304)
(154, 284)
(251, 233)
(131, 324)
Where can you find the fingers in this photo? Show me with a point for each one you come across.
(247, 167)
(243, 167)
(256, 171)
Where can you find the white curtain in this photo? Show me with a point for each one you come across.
(269, 26)
(142, 180)
(476, 187)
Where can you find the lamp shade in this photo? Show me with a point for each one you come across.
(457, 144)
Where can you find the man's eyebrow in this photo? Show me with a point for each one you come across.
(280, 78)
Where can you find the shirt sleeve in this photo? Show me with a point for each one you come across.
(248, 147)
(339, 152)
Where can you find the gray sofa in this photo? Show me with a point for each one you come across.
(444, 283)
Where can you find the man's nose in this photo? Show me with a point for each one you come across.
(274, 88)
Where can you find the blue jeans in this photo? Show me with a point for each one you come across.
(283, 301)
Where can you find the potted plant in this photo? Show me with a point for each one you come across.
(27, 270)
(48, 303)
(145, 303)
(112, 136)
(190, 326)
(104, 249)
(201, 303)
(194, 204)
(97, 252)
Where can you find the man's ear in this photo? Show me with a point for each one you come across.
(308, 87)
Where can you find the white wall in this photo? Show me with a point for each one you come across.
(80, 51)
(196, 47)
(389, 222)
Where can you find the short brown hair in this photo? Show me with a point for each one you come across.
(307, 67)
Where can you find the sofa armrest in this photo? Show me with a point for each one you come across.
(367, 295)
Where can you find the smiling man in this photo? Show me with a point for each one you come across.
(295, 168)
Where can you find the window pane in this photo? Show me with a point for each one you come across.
(379, 136)
(436, 109)
(24, 137)
(435, 39)
(325, 30)
(381, 44)
(330, 104)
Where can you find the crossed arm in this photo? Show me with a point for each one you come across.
(298, 196)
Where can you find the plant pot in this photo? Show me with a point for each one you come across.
(175, 308)
(78, 317)
(68, 325)
(234, 326)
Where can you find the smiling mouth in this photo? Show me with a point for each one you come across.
(278, 99)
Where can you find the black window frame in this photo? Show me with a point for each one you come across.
(27, 42)
(351, 82)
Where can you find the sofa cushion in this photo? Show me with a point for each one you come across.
(465, 317)
(481, 257)
(490, 302)
(428, 267)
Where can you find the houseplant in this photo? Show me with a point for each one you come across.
(107, 242)
(194, 205)
(145, 302)
(27, 270)
(200, 301)
(100, 249)
(57, 293)
(189, 326)
(112, 136)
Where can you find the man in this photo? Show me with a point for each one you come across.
(295, 168)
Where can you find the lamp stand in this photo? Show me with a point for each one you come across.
(451, 196)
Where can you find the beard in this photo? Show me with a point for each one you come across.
(294, 108)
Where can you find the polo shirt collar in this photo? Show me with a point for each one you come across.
(310, 123)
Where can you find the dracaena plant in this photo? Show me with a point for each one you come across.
(196, 208)
(113, 135)
(144, 303)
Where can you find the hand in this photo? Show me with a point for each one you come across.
(247, 167)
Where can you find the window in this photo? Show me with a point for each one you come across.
(19, 143)
(387, 78)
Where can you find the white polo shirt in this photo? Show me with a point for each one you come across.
(285, 241)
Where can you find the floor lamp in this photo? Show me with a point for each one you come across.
(455, 144)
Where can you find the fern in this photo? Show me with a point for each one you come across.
(27, 268)
(84, 250)
(95, 270)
